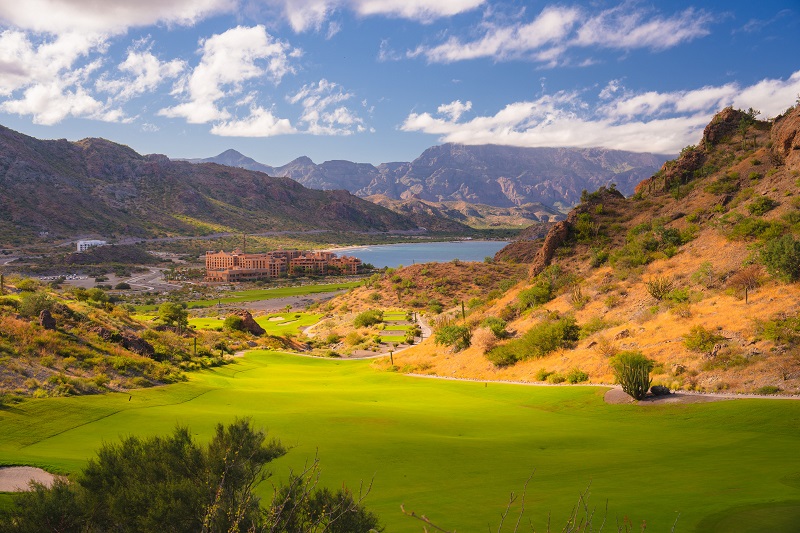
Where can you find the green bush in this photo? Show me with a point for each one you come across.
(233, 323)
(762, 205)
(459, 337)
(768, 389)
(576, 375)
(368, 318)
(701, 339)
(632, 371)
(782, 258)
(539, 294)
(782, 330)
(496, 325)
(542, 374)
(542, 339)
(555, 378)
(33, 303)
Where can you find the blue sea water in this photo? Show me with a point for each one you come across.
(394, 255)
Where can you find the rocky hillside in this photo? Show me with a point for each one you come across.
(502, 176)
(699, 271)
(432, 214)
(96, 187)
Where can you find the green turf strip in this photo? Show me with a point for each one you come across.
(454, 450)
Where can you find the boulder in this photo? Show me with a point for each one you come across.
(249, 324)
(46, 320)
(137, 345)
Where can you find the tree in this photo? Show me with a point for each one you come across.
(173, 314)
(174, 484)
(632, 370)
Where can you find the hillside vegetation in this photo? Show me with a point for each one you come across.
(697, 270)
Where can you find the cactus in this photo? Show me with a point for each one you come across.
(632, 370)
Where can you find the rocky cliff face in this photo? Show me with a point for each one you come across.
(502, 176)
(785, 137)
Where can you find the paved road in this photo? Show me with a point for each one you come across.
(153, 280)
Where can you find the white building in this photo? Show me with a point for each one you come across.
(85, 245)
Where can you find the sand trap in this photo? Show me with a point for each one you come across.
(16, 478)
(276, 319)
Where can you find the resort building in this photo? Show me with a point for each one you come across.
(85, 245)
(240, 266)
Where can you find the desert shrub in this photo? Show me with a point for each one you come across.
(375, 297)
(233, 323)
(496, 325)
(704, 275)
(606, 347)
(700, 339)
(435, 307)
(33, 303)
(632, 371)
(780, 329)
(539, 294)
(724, 185)
(747, 278)
(659, 286)
(484, 339)
(28, 285)
(660, 390)
(555, 378)
(368, 318)
(332, 338)
(768, 389)
(459, 337)
(762, 205)
(576, 375)
(593, 325)
(599, 256)
(577, 298)
(546, 337)
(541, 374)
(782, 258)
(744, 228)
(678, 295)
(353, 338)
(122, 286)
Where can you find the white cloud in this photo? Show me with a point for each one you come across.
(558, 28)
(321, 113)
(105, 16)
(304, 15)
(646, 122)
(228, 61)
(145, 73)
(47, 79)
(260, 123)
(454, 109)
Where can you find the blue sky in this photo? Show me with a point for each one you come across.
(381, 80)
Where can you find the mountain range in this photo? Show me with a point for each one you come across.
(65, 189)
(502, 176)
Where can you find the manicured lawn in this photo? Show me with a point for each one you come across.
(454, 450)
(264, 294)
(289, 322)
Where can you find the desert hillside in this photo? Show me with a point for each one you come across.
(698, 271)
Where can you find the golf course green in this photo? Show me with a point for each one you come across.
(455, 450)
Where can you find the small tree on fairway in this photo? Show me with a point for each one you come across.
(632, 370)
(173, 314)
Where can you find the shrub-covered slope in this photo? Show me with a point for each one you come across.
(698, 271)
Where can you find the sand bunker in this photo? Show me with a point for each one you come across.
(16, 478)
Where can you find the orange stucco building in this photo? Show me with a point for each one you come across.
(240, 266)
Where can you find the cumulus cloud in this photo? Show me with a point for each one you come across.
(143, 72)
(260, 123)
(322, 114)
(46, 79)
(558, 29)
(228, 61)
(645, 122)
(106, 16)
(304, 15)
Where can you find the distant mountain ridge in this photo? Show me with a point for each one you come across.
(63, 189)
(501, 176)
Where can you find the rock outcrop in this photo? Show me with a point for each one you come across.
(785, 137)
(248, 323)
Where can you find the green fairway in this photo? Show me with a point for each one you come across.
(263, 294)
(454, 450)
(273, 324)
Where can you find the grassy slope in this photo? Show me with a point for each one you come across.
(454, 450)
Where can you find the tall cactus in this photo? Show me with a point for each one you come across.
(632, 370)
